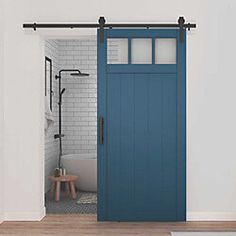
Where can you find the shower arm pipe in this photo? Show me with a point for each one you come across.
(66, 70)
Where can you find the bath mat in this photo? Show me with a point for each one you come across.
(87, 198)
(203, 234)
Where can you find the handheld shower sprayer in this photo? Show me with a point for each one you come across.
(60, 96)
(62, 91)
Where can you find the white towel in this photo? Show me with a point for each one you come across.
(49, 119)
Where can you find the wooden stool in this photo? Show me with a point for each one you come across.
(69, 181)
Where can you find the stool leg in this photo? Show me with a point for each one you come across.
(53, 185)
(58, 189)
(72, 188)
(67, 188)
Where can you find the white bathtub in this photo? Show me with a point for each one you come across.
(85, 167)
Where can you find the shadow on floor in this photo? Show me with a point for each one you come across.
(66, 205)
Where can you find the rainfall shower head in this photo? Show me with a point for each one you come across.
(73, 72)
(79, 74)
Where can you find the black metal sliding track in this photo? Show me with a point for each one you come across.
(102, 24)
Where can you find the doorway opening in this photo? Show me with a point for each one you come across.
(71, 125)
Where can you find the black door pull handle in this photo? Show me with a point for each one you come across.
(101, 125)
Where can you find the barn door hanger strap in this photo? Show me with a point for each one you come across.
(102, 22)
(181, 21)
(102, 25)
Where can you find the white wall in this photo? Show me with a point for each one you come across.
(1, 110)
(211, 97)
(23, 121)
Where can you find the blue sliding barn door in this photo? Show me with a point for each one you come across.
(142, 126)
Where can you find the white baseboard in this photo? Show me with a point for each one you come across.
(24, 216)
(211, 216)
(191, 216)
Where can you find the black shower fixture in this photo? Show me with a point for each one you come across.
(73, 72)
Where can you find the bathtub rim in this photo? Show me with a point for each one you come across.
(80, 156)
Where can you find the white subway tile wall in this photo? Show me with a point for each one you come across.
(79, 109)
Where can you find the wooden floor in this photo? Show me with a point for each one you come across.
(88, 225)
